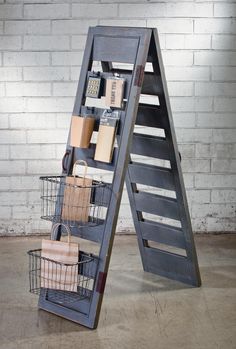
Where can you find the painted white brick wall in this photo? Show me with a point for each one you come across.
(41, 49)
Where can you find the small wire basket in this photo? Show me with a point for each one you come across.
(73, 200)
(57, 285)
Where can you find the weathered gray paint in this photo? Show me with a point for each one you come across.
(136, 45)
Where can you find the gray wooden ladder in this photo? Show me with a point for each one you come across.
(166, 249)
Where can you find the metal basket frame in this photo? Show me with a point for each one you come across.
(84, 281)
(85, 201)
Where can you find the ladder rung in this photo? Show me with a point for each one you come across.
(152, 116)
(88, 155)
(94, 233)
(146, 145)
(169, 264)
(152, 84)
(151, 175)
(157, 204)
(122, 72)
(162, 233)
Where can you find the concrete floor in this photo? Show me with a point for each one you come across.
(140, 310)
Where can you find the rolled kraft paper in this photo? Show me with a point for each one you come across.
(81, 131)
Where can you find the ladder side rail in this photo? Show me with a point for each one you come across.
(158, 67)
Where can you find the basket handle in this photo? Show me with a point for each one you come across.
(56, 226)
(85, 167)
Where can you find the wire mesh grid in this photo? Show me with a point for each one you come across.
(59, 282)
(70, 200)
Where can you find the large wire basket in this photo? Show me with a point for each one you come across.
(69, 200)
(53, 285)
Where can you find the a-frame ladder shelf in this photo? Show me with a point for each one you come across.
(161, 220)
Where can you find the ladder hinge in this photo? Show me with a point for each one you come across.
(139, 75)
(101, 282)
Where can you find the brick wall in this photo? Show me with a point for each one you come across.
(41, 48)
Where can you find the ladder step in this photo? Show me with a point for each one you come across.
(94, 233)
(152, 116)
(169, 264)
(146, 145)
(88, 155)
(157, 204)
(152, 84)
(154, 176)
(162, 233)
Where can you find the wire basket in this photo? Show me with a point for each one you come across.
(57, 285)
(66, 199)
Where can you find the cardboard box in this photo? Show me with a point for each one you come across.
(114, 92)
(81, 131)
(106, 139)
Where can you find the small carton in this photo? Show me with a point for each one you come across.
(106, 137)
(114, 92)
(81, 131)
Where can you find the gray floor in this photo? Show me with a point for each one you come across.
(140, 310)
